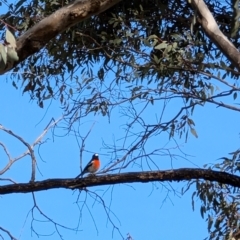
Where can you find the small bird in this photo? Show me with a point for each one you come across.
(92, 166)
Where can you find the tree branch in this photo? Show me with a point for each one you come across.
(38, 36)
(8, 233)
(214, 33)
(182, 174)
(30, 149)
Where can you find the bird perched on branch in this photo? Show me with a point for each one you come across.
(92, 166)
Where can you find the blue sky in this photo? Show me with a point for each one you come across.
(142, 210)
(145, 211)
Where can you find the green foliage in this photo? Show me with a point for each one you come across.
(220, 207)
(220, 203)
(144, 47)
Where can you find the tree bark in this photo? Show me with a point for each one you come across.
(181, 174)
(39, 35)
(211, 28)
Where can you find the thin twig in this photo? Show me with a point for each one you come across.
(8, 233)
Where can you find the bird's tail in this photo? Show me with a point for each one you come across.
(80, 175)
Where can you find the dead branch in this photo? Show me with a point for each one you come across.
(30, 148)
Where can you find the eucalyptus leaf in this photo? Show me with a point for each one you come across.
(12, 55)
(10, 39)
(3, 54)
(194, 133)
(162, 45)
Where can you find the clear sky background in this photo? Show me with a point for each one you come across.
(145, 211)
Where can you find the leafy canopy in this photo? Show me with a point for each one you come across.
(146, 52)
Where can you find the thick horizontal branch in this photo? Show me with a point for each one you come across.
(178, 175)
